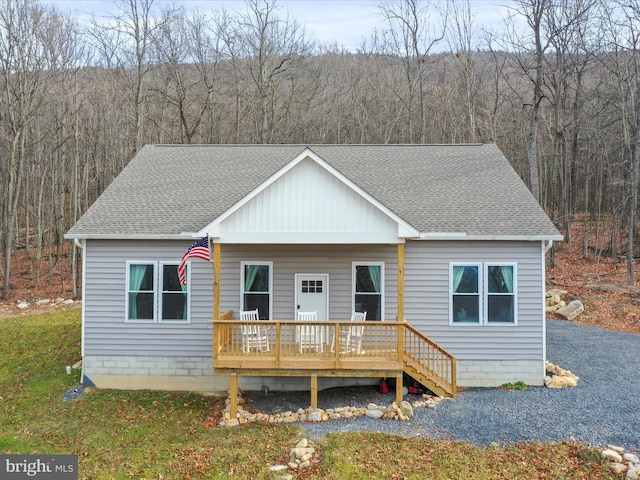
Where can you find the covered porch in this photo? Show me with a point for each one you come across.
(388, 349)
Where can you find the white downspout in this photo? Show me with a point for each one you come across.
(81, 245)
(545, 249)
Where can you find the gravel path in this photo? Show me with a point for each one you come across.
(603, 409)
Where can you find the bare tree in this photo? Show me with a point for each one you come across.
(125, 40)
(187, 55)
(461, 40)
(272, 49)
(532, 66)
(566, 21)
(29, 65)
(623, 63)
(411, 36)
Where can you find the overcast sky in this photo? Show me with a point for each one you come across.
(345, 22)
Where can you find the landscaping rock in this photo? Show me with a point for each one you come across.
(556, 291)
(612, 455)
(314, 417)
(558, 377)
(374, 413)
(554, 300)
(572, 310)
(301, 455)
(631, 458)
(401, 412)
(406, 409)
(608, 288)
(622, 462)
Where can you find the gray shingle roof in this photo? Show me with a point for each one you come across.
(169, 189)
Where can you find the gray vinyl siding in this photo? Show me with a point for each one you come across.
(426, 293)
(427, 299)
(107, 333)
(335, 260)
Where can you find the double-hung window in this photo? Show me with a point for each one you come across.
(256, 280)
(154, 293)
(483, 293)
(174, 297)
(141, 286)
(368, 289)
(466, 283)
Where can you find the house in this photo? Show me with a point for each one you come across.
(444, 241)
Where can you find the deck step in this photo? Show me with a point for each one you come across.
(426, 381)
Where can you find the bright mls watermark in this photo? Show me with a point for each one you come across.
(49, 467)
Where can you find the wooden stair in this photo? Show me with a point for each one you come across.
(428, 363)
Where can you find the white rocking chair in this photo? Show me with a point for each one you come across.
(309, 336)
(254, 335)
(351, 337)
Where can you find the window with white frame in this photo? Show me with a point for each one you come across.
(256, 280)
(501, 293)
(154, 293)
(482, 293)
(368, 289)
(465, 293)
(174, 297)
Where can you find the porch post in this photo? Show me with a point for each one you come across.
(400, 330)
(233, 395)
(314, 391)
(216, 281)
(399, 389)
(400, 316)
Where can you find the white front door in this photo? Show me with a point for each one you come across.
(312, 293)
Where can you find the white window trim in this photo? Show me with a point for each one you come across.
(155, 291)
(486, 294)
(480, 290)
(483, 269)
(270, 292)
(161, 291)
(382, 283)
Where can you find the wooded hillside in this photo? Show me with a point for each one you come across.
(560, 97)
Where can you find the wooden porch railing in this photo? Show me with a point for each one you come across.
(428, 363)
(386, 350)
(377, 353)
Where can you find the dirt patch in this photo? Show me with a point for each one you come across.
(600, 283)
(47, 279)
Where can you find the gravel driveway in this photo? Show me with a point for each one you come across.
(603, 409)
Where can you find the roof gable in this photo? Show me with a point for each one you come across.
(300, 204)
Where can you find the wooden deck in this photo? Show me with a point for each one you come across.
(387, 349)
(378, 352)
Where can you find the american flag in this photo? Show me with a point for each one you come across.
(200, 249)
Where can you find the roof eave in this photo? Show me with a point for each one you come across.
(111, 236)
(463, 236)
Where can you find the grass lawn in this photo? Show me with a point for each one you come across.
(164, 435)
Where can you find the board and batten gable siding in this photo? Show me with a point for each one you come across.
(335, 260)
(301, 206)
(107, 332)
(427, 298)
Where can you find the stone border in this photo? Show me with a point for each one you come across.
(401, 412)
(622, 462)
